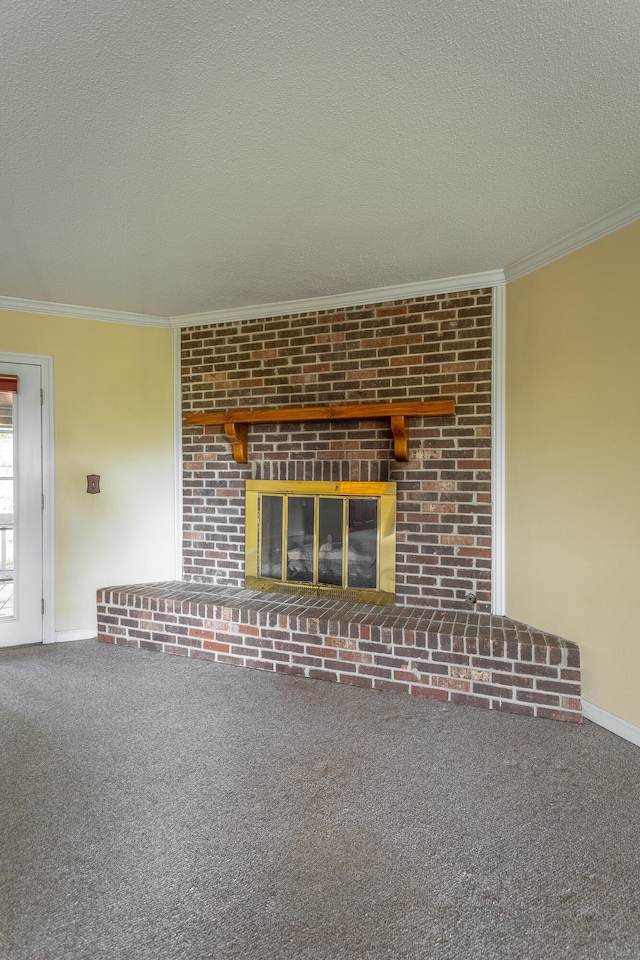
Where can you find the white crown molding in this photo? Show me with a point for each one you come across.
(622, 728)
(616, 220)
(82, 313)
(405, 291)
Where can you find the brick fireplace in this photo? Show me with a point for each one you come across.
(434, 641)
(421, 349)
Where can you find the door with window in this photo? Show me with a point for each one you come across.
(21, 486)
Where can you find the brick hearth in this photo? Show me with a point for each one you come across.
(470, 658)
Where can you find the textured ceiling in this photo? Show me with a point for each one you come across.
(176, 157)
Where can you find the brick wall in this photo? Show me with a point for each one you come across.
(419, 349)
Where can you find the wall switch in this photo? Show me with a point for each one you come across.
(93, 483)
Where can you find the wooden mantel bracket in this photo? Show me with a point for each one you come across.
(236, 422)
(400, 431)
(238, 433)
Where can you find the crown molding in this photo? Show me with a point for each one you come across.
(405, 291)
(613, 221)
(82, 313)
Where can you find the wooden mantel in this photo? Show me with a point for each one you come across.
(236, 422)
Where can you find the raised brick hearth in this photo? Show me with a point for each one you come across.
(469, 658)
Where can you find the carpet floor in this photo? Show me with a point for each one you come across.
(167, 809)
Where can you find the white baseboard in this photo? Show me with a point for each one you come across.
(87, 633)
(628, 731)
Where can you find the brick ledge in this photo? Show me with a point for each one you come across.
(473, 658)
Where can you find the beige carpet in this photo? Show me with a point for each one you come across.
(158, 808)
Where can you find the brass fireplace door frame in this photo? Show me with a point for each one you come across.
(384, 493)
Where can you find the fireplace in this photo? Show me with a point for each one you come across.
(412, 351)
(321, 538)
(263, 382)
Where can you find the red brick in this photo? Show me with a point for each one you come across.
(178, 651)
(470, 701)
(356, 680)
(448, 683)
(549, 714)
(536, 670)
(292, 669)
(571, 703)
(535, 696)
(407, 676)
(489, 690)
(215, 645)
(151, 645)
(316, 674)
(324, 652)
(391, 686)
(435, 693)
(355, 656)
(571, 689)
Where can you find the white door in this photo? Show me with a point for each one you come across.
(21, 570)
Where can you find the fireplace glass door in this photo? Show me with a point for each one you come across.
(330, 539)
(302, 539)
(363, 540)
(271, 540)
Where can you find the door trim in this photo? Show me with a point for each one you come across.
(48, 486)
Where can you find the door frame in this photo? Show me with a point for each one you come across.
(48, 486)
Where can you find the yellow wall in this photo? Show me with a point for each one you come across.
(573, 460)
(113, 395)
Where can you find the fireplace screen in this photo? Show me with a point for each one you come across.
(328, 539)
